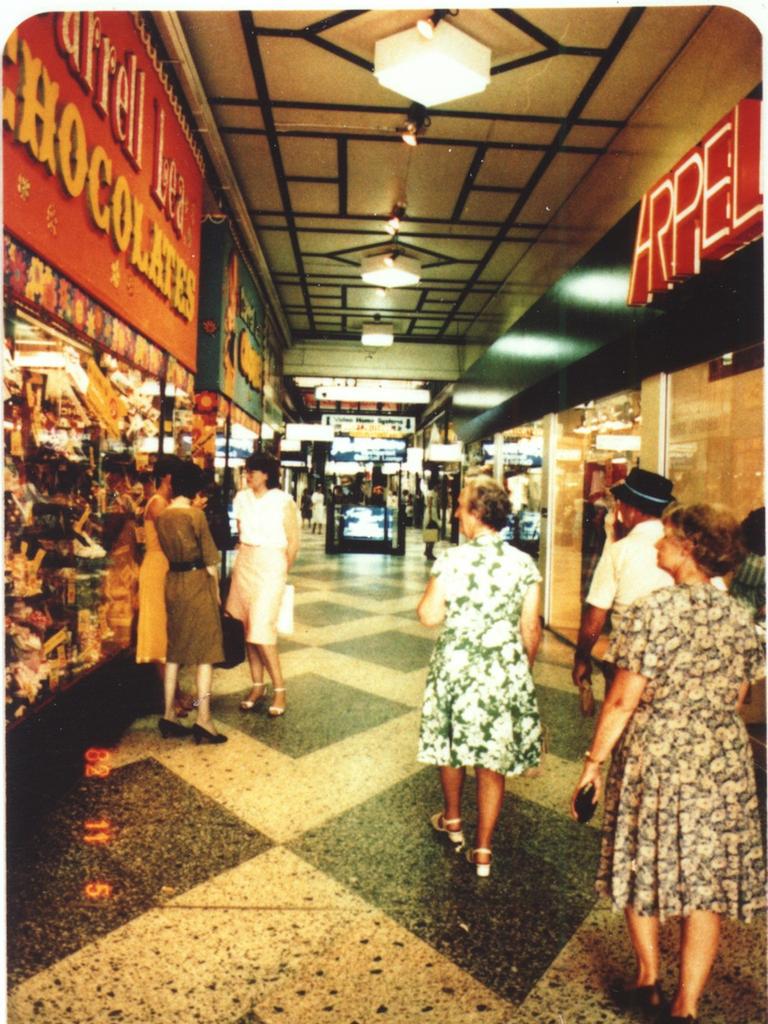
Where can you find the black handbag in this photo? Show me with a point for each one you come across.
(233, 638)
(583, 804)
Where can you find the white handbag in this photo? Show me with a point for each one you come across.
(285, 615)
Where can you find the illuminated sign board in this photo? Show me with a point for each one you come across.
(705, 208)
(367, 449)
(101, 175)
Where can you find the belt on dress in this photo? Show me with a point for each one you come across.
(186, 566)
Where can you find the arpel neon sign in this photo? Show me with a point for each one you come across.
(709, 205)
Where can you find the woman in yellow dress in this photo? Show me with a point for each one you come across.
(151, 640)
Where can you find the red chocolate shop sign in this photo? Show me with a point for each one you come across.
(708, 206)
(102, 175)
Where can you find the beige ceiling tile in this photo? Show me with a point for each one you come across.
(298, 323)
(507, 167)
(549, 87)
(503, 262)
(314, 196)
(473, 302)
(378, 173)
(334, 79)
(386, 299)
(584, 135)
(340, 242)
(490, 206)
(279, 254)
(232, 117)
(316, 157)
(434, 180)
(259, 188)
(656, 40)
(210, 34)
(326, 302)
(448, 273)
(556, 184)
(525, 132)
(288, 19)
(291, 294)
(377, 122)
(578, 26)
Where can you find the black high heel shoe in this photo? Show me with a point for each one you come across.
(201, 735)
(169, 728)
(649, 999)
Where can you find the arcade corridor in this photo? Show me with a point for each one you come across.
(291, 875)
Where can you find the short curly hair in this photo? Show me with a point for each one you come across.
(712, 531)
(487, 500)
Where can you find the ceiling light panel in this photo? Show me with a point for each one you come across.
(446, 67)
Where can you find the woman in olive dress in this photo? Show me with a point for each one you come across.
(479, 703)
(191, 601)
(681, 831)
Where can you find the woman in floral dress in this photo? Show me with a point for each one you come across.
(479, 704)
(681, 831)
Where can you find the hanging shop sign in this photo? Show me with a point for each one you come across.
(102, 176)
(708, 206)
(36, 286)
(370, 426)
(231, 328)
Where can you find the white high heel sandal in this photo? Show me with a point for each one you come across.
(248, 704)
(439, 824)
(481, 870)
(273, 711)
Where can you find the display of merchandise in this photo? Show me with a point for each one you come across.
(72, 505)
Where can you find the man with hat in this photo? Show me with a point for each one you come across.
(627, 570)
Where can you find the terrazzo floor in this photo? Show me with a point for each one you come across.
(291, 875)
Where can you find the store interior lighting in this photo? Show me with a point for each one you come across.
(390, 269)
(417, 122)
(393, 224)
(427, 26)
(447, 65)
(373, 393)
(377, 333)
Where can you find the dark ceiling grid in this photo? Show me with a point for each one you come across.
(551, 47)
(342, 152)
(472, 172)
(556, 147)
(424, 140)
(262, 91)
(442, 112)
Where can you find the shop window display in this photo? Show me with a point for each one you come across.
(73, 422)
(716, 431)
(597, 445)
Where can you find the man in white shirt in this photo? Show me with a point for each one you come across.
(626, 571)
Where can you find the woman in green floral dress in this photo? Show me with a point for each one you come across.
(479, 704)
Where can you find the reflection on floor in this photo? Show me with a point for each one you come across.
(291, 874)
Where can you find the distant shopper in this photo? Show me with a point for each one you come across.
(748, 585)
(318, 510)
(306, 508)
(479, 704)
(269, 541)
(430, 532)
(191, 601)
(626, 571)
(681, 829)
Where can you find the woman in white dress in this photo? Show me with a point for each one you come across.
(268, 533)
(318, 510)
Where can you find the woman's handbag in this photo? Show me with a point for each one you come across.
(285, 615)
(233, 638)
(431, 532)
